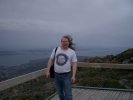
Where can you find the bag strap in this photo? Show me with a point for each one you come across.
(54, 54)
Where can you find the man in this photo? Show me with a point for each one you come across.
(65, 66)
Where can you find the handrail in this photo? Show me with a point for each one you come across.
(106, 65)
(33, 75)
(21, 79)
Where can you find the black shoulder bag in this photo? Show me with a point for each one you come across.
(52, 66)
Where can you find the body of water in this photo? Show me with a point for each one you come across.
(22, 57)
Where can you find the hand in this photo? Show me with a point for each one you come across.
(73, 79)
(47, 74)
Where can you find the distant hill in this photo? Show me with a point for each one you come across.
(33, 65)
(124, 57)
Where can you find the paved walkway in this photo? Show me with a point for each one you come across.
(98, 94)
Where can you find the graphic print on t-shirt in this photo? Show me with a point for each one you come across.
(61, 59)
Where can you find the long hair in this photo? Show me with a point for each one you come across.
(70, 39)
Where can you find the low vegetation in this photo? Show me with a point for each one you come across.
(41, 88)
(37, 89)
(105, 78)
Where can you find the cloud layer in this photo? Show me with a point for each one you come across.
(41, 23)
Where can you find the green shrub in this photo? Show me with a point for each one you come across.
(106, 78)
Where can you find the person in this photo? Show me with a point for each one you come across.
(65, 66)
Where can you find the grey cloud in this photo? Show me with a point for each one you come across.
(36, 22)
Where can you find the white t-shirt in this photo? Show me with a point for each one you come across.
(63, 59)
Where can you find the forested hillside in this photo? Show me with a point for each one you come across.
(123, 57)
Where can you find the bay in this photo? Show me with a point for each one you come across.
(14, 58)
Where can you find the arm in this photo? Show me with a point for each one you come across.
(50, 61)
(74, 71)
(48, 67)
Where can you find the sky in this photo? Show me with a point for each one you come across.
(28, 24)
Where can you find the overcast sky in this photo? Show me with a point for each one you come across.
(41, 23)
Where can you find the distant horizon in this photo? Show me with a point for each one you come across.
(77, 47)
(16, 57)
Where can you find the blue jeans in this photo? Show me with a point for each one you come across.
(63, 84)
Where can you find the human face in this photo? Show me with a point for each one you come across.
(64, 43)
